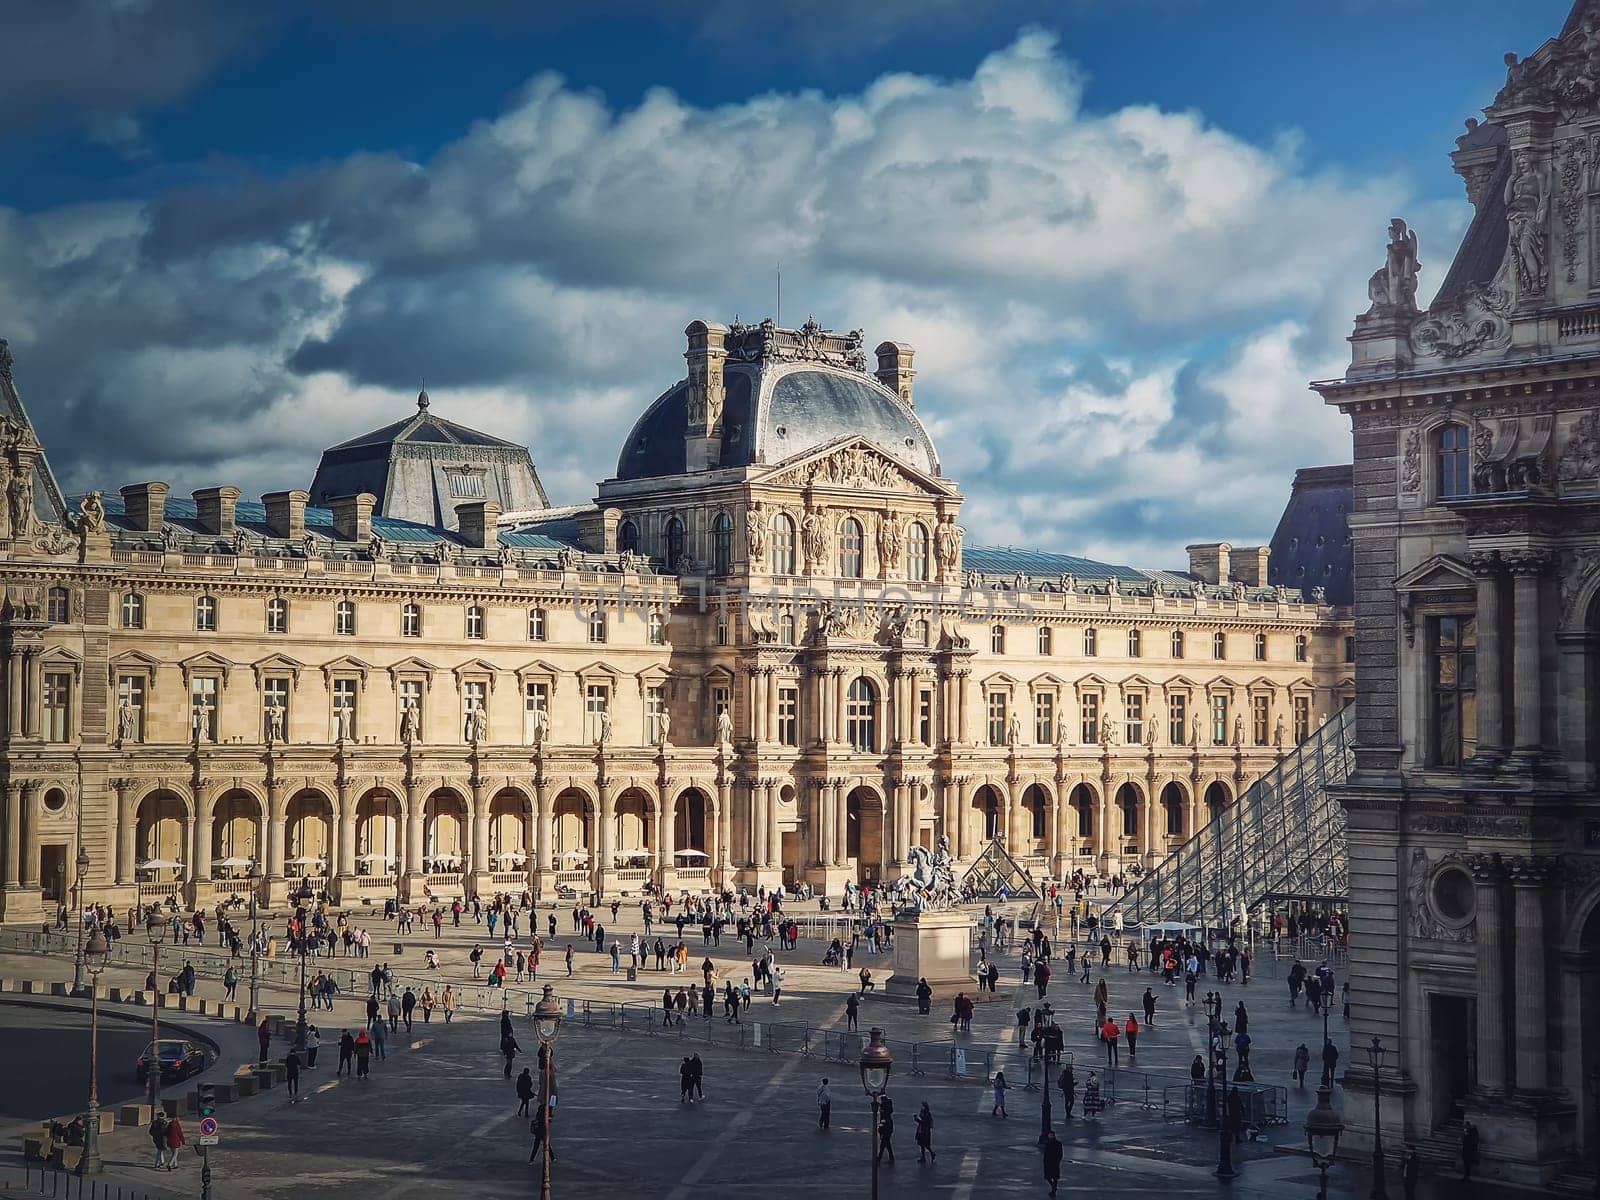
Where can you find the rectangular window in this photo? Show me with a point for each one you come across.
(466, 485)
(1090, 705)
(130, 707)
(655, 629)
(597, 625)
(205, 614)
(1302, 718)
(1044, 718)
(475, 622)
(474, 695)
(344, 618)
(344, 701)
(721, 702)
(57, 706)
(1219, 719)
(789, 716)
(275, 700)
(1178, 720)
(1091, 642)
(1261, 720)
(203, 710)
(596, 702)
(925, 716)
(58, 606)
(133, 611)
(655, 704)
(1133, 719)
(997, 718)
(1349, 649)
(411, 621)
(277, 616)
(1219, 645)
(722, 630)
(1452, 654)
(535, 700)
(536, 625)
(410, 699)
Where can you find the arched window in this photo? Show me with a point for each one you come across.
(58, 606)
(851, 545)
(411, 620)
(205, 614)
(1300, 647)
(1219, 645)
(674, 543)
(1045, 640)
(133, 611)
(861, 715)
(344, 618)
(722, 544)
(1455, 461)
(277, 615)
(783, 544)
(628, 537)
(1135, 643)
(1261, 647)
(997, 639)
(474, 622)
(1091, 642)
(917, 553)
(1177, 643)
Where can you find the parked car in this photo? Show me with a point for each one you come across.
(179, 1059)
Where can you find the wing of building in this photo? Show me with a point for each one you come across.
(1474, 827)
(762, 653)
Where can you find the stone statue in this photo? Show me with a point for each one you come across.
(1238, 731)
(541, 727)
(1278, 734)
(1152, 729)
(1194, 730)
(724, 728)
(19, 494)
(198, 722)
(169, 537)
(755, 531)
(378, 548)
(929, 883)
(605, 728)
(1113, 586)
(1319, 595)
(889, 538)
(815, 536)
(308, 544)
(1527, 199)
(508, 556)
(275, 716)
(410, 724)
(1393, 286)
(947, 542)
(1069, 585)
(663, 726)
(1014, 730)
(346, 718)
(127, 722)
(92, 514)
(480, 724)
(1063, 730)
(1106, 732)
(241, 541)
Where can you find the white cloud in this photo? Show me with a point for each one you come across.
(1115, 313)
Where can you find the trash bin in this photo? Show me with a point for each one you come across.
(399, 949)
(633, 974)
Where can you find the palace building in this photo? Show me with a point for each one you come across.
(762, 653)
(1473, 820)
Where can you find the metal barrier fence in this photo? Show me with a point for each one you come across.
(41, 1180)
(1196, 1104)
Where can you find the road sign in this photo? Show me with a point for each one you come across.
(208, 1131)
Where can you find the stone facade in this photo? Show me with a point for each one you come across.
(792, 669)
(1474, 826)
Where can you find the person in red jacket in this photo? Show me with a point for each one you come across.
(175, 1141)
(1110, 1033)
(1131, 1029)
(1041, 976)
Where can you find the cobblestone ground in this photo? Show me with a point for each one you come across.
(439, 1115)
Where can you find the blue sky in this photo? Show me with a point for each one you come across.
(1125, 232)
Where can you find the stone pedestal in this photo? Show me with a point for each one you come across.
(936, 946)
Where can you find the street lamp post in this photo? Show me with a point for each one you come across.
(1211, 1065)
(95, 955)
(81, 869)
(1323, 1128)
(156, 930)
(255, 943)
(1224, 1169)
(305, 933)
(547, 1023)
(1375, 1054)
(876, 1064)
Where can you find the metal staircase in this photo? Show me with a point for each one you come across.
(1284, 838)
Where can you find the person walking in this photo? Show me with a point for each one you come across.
(394, 1012)
(686, 1083)
(1330, 1062)
(230, 981)
(509, 1048)
(449, 1002)
(313, 1044)
(408, 1003)
(1130, 1030)
(428, 1003)
(1052, 1161)
(924, 1124)
(886, 1129)
(524, 1092)
(924, 997)
(824, 1103)
(1302, 1064)
(291, 1064)
(1111, 1035)
(364, 1051)
(175, 1141)
(158, 1136)
(1410, 1170)
(697, 1071)
(1068, 1083)
(1149, 1007)
(852, 1006)
(264, 1039)
(1000, 1086)
(347, 1054)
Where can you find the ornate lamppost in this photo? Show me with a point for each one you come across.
(1323, 1128)
(1224, 1169)
(876, 1064)
(1375, 1056)
(547, 1023)
(81, 873)
(255, 942)
(95, 955)
(156, 930)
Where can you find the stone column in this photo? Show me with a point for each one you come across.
(838, 704)
(724, 825)
(1491, 1047)
(823, 800)
(756, 695)
(1491, 707)
(774, 834)
(1527, 724)
(14, 693)
(1529, 877)
(34, 692)
(276, 818)
(608, 821)
(757, 826)
(961, 708)
(204, 821)
(1053, 830)
(415, 819)
(480, 827)
(666, 829)
(126, 829)
(545, 845)
(13, 861)
(841, 823)
(819, 709)
(1108, 837)
(30, 835)
(347, 833)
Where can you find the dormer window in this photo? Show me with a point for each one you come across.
(466, 483)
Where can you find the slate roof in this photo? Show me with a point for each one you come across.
(1311, 547)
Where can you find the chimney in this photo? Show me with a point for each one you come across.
(894, 370)
(145, 505)
(1249, 565)
(286, 513)
(703, 432)
(479, 523)
(1208, 561)
(352, 516)
(597, 530)
(214, 509)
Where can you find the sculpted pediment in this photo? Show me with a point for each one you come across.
(855, 464)
(1436, 574)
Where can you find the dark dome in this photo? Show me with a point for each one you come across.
(774, 412)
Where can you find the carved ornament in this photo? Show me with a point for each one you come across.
(1472, 321)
